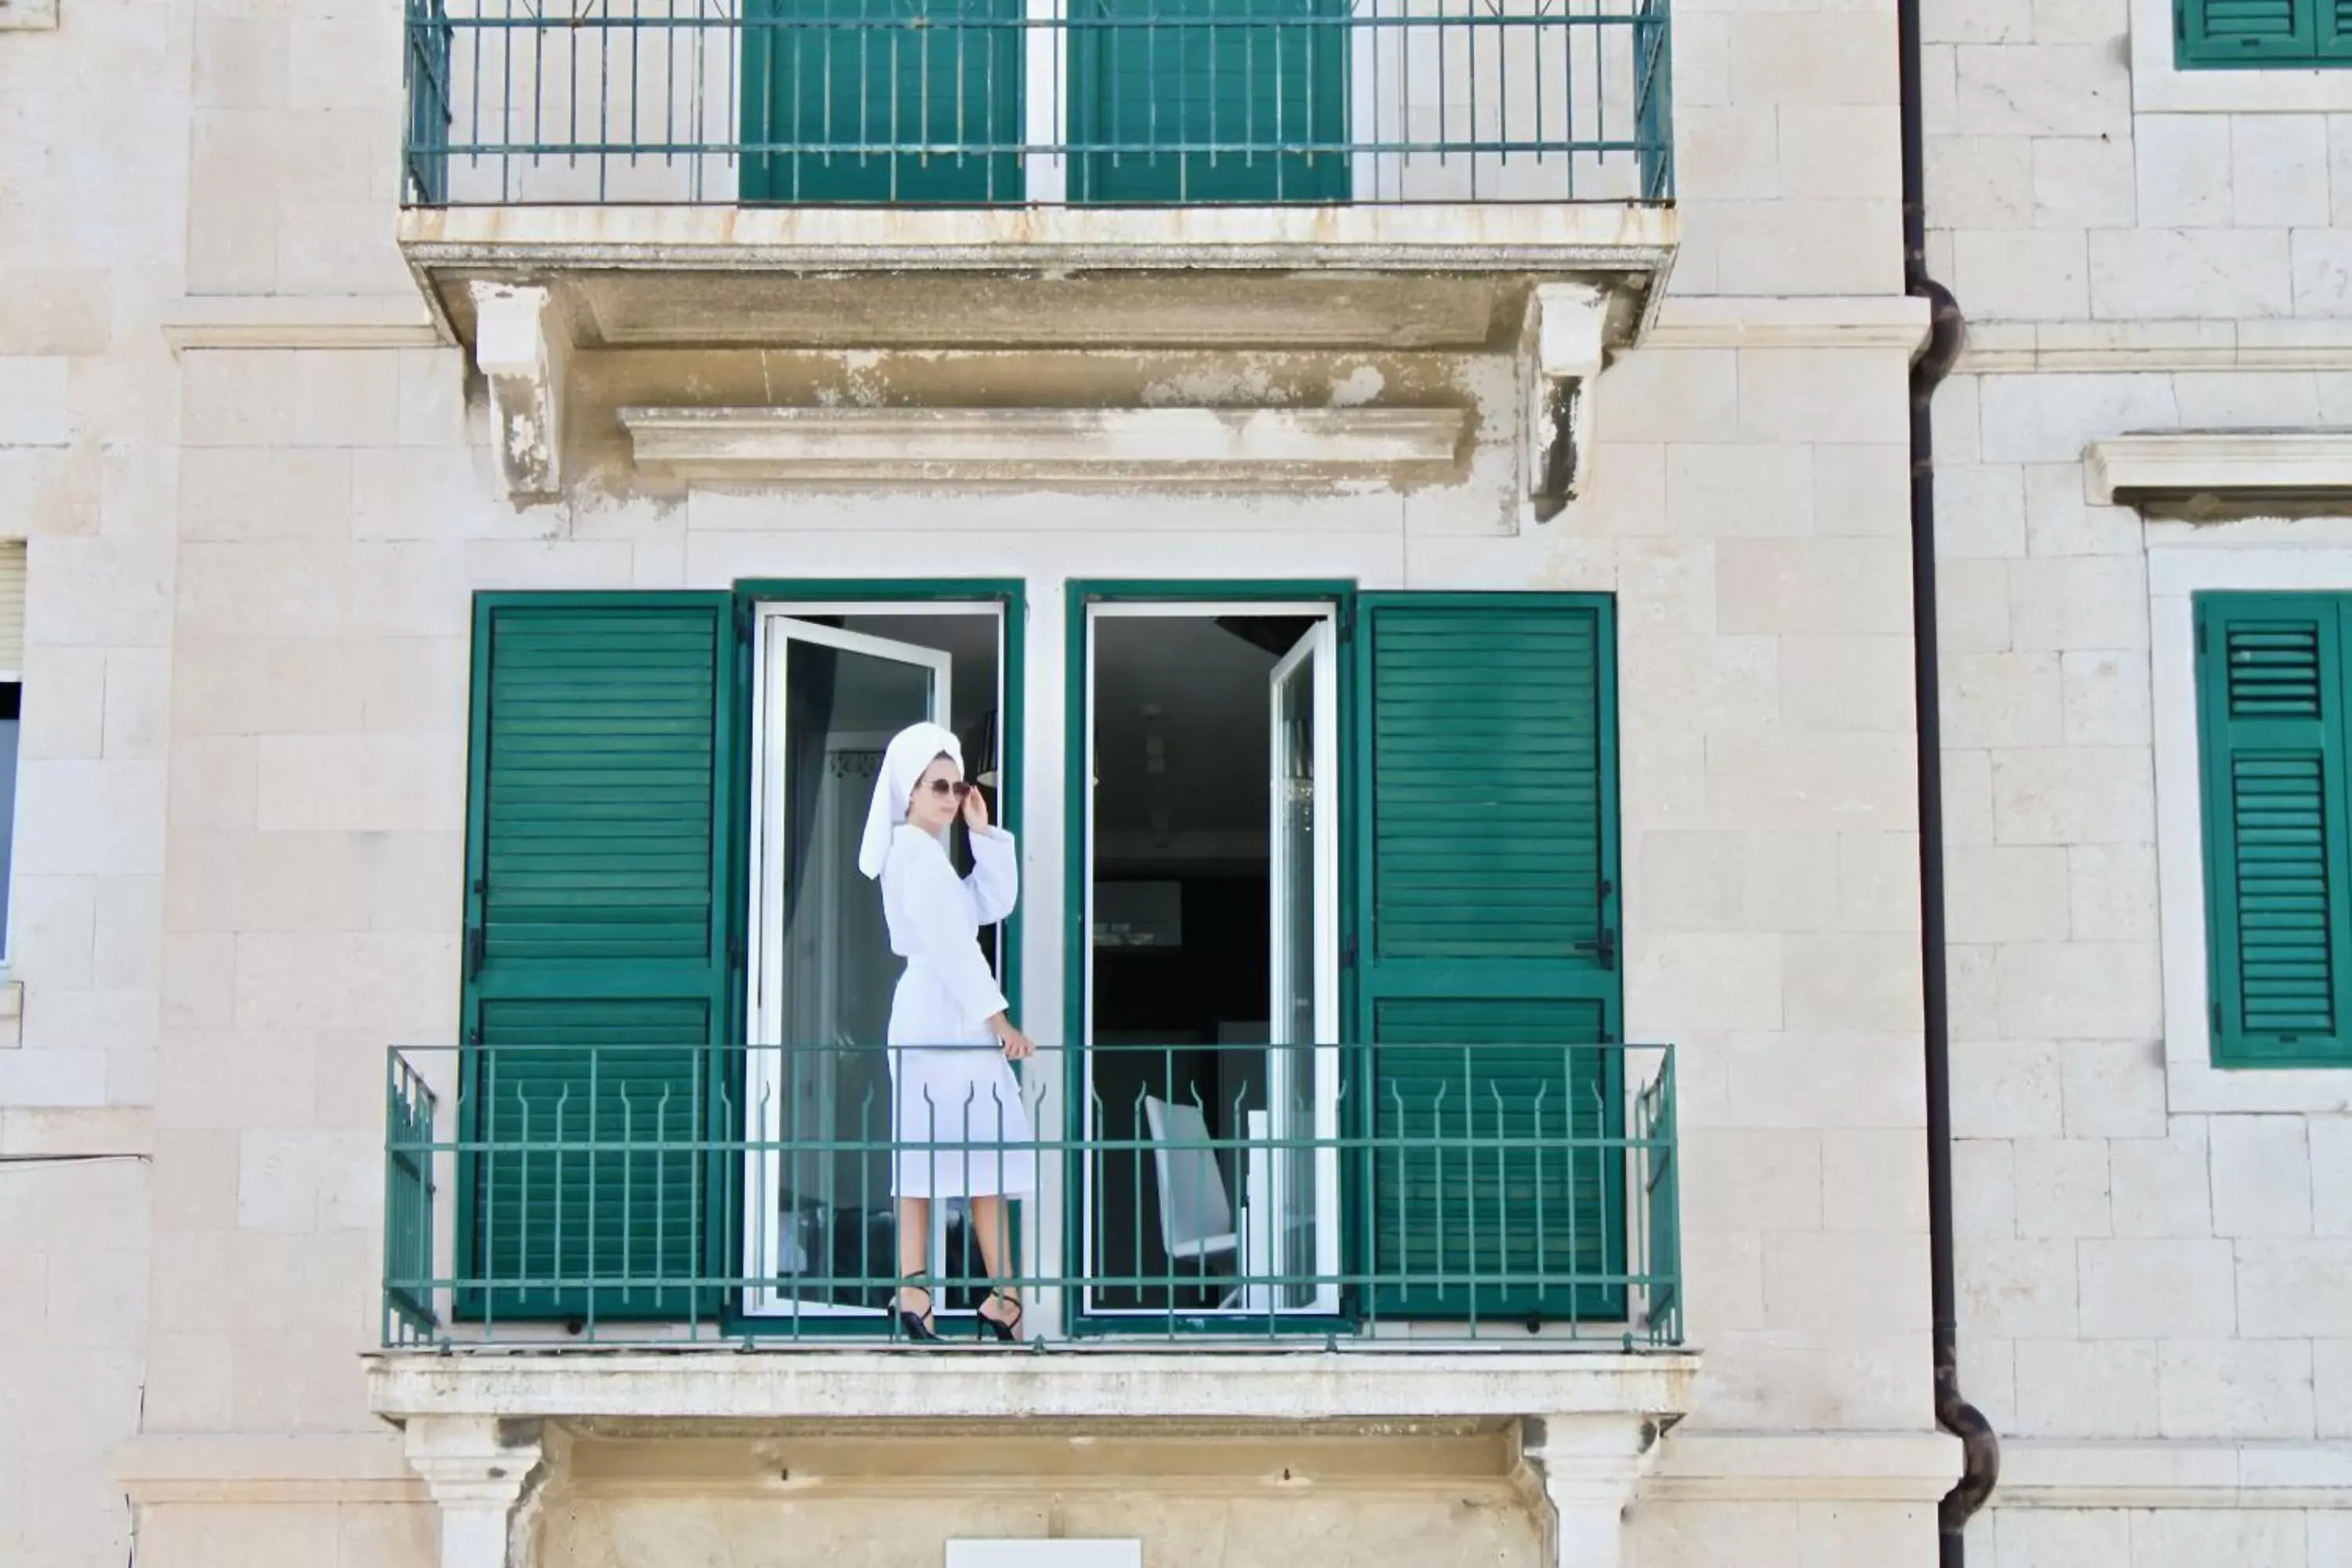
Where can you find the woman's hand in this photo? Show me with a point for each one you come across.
(1016, 1044)
(975, 811)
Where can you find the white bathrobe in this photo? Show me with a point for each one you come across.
(952, 1088)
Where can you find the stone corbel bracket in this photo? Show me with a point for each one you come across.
(522, 345)
(1560, 353)
(477, 1468)
(1588, 1465)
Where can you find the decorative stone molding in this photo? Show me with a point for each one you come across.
(1588, 1464)
(1561, 346)
(1239, 448)
(316, 1469)
(27, 16)
(522, 348)
(298, 322)
(1870, 322)
(2218, 468)
(77, 1131)
(2206, 1474)
(1746, 1467)
(477, 1469)
(2155, 348)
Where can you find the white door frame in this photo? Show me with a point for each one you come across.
(1322, 644)
(780, 626)
(1266, 1237)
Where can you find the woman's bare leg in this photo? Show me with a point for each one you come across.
(915, 1253)
(992, 1221)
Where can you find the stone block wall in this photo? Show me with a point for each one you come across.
(2143, 1256)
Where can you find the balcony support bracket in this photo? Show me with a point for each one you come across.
(1561, 353)
(478, 1469)
(521, 345)
(1588, 1465)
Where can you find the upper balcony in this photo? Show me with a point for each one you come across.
(735, 177)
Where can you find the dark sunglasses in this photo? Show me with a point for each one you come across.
(942, 788)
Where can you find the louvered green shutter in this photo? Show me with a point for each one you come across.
(931, 87)
(598, 814)
(2278, 858)
(2334, 29)
(1487, 848)
(1255, 89)
(2247, 32)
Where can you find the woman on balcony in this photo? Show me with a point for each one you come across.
(958, 1128)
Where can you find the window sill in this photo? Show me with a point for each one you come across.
(27, 16)
(2197, 1088)
(2160, 87)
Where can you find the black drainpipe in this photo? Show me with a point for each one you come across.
(1979, 1447)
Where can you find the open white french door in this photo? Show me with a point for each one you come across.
(826, 704)
(1287, 1208)
(1290, 1226)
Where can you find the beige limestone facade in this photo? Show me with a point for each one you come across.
(2151, 1249)
(266, 433)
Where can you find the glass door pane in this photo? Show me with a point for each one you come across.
(1294, 1230)
(821, 1105)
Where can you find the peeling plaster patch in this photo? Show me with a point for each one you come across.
(1247, 381)
(1357, 387)
(867, 384)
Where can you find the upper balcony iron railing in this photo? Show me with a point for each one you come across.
(553, 1192)
(993, 102)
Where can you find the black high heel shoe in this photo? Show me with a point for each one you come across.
(916, 1325)
(1008, 1329)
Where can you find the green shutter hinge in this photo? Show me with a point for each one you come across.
(2216, 1019)
(1347, 618)
(1347, 954)
(2200, 634)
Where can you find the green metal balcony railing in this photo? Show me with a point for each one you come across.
(554, 1192)
(976, 102)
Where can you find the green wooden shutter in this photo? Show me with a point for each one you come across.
(599, 817)
(2278, 857)
(2246, 32)
(1252, 87)
(1487, 844)
(2334, 31)
(932, 87)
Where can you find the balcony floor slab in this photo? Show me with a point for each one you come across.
(1307, 1385)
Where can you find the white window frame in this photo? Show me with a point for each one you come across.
(11, 823)
(2184, 560)
(2160, 87)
